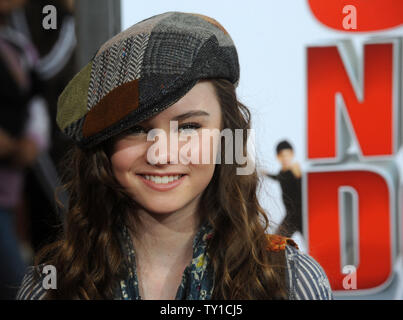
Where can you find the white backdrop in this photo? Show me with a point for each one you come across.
(271, 37)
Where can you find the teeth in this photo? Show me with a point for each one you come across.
(164, 179)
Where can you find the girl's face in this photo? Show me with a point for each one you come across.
(167, 187)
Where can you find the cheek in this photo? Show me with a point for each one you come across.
(206, 149)
(123, 160)
(204, 169)
(201, 175)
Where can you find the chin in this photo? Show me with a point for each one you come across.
(161, 208)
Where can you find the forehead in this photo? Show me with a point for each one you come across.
(285, 152)
(202, 97)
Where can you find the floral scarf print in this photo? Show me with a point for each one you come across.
(197, 280)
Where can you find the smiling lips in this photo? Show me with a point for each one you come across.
(162, 182)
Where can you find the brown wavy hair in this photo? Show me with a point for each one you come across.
(88, 257)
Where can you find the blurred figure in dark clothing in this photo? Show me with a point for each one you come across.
(24, 133)
(56, 67)
(289, 178)
(56, 47)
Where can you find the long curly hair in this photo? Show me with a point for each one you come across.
(88, 256)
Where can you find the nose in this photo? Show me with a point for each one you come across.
(164, 150)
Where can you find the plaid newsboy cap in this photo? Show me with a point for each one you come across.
(141, 72)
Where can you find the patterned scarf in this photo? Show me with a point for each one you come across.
(197, 279)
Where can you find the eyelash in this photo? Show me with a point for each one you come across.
(190, 125)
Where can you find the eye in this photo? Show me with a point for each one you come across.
(135, 130)
(189, 126)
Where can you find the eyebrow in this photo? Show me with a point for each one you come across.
(191, 114)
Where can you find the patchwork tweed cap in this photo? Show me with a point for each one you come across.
(141, 72)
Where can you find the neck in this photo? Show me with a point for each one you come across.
(162, 237)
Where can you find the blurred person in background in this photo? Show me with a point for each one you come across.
(289, 178)
(24, 126)
(56, 49)
(56, 67)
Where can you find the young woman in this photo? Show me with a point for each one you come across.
(144, 223)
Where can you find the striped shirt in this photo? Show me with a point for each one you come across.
(305, 277)
(306, 280)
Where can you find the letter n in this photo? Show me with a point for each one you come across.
(352, 101)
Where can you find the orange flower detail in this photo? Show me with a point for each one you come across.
(278, 243)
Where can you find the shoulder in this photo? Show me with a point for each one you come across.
(31, 286)
(306, 278)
